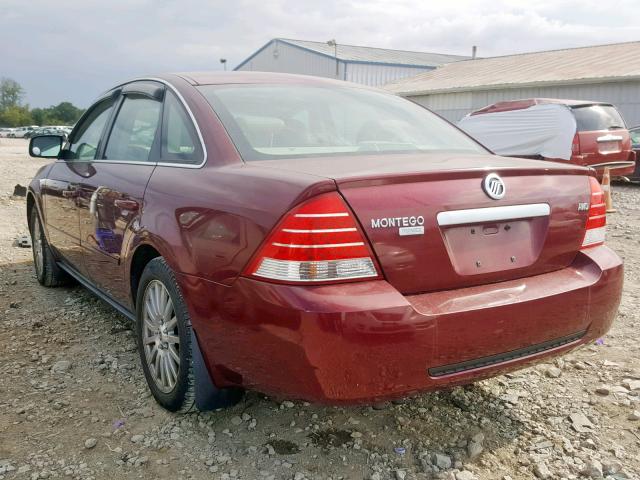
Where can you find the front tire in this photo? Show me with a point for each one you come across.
(48, 272)
(163, 333)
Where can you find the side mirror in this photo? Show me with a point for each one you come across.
(45, 146)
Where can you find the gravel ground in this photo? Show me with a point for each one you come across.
(74, 403)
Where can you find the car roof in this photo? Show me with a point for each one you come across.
(530, 102)
(222, 78)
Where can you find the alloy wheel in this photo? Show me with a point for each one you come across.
(160, 337)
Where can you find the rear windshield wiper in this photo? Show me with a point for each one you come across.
(615, 127)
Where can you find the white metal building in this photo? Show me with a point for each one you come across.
(365, 65)
(606, 73)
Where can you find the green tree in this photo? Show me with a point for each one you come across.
(11, 93)
(64, 113)
(38, 116)
(15, 116)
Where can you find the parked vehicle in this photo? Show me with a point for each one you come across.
(45, 131)
(315, 239)
(593, 134)
(635, 144)
(21, 132)
(5, 132)
(38, 131)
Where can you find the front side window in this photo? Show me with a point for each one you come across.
(179, 140)
(84, 143)
(591, 118)
(134, 130)
(285, 121)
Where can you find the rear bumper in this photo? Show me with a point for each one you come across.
(364, 342)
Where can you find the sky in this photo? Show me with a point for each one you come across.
(76, 49)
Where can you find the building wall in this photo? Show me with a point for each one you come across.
(284, 58)
(292, 59)
(453, 106)
(377, 75)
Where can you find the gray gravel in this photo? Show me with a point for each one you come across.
(74, 404)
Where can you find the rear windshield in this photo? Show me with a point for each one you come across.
(285, 121)
(598, 117)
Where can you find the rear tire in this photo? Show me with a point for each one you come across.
(163, 333)
(48, 272)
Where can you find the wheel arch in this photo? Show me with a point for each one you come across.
(34, 202)
(140, 257)
(31, 201)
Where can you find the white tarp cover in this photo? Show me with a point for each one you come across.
(544, 129)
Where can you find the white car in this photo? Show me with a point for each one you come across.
(20, 132)
(6, 132)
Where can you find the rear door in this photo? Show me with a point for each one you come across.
(602, 136)
(61, 189)
(111, 198)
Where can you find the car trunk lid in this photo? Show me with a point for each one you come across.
(433, 227)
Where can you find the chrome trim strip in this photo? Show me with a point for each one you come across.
(120, 162)
(609, 138)
(493, 214)
(320, 230)
(321, 215)
(326, 245)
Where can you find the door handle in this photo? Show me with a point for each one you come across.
(71, 192)
(127, 204)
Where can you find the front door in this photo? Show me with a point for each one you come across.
(111, 199)
(61, 190)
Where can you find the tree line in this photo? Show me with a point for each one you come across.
(13, 113)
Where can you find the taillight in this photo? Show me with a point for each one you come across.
(317, 241)
(597, 218)
(575, 145)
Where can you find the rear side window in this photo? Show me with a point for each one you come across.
(180, 142)
(84, 143)
(598, 117)
(134, 130)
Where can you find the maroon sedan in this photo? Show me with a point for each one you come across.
(315, 239)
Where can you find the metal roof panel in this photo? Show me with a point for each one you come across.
(614, 62)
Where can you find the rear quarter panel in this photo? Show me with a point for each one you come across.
(209, 222)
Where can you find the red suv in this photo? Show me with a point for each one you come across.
(315, 239)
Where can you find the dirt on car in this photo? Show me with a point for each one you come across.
(74, 402)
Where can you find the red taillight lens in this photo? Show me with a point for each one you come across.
(575, 145)
(318, 241)
(597, 218)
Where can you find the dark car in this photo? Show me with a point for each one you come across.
(315, 239)
(635, 144)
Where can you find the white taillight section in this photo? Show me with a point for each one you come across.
(595, 227)
(318, 241)
(316, 271)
